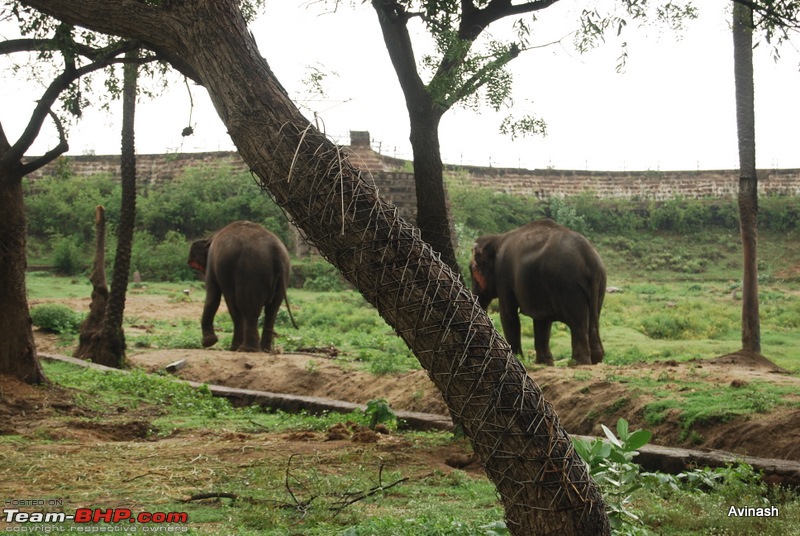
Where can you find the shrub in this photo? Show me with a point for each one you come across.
(320, 275)
(67, 257)
(490, 212)
(53, 204)
(379, 412)
(161, 261)
(56, 318)
(567, 215)
(205, 199)
(611, 465)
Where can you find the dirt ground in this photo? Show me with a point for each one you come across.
(583, 397)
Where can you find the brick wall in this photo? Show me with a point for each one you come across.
(657, 185)
(397, 186)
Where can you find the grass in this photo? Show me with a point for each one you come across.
(703, 403)
(201, 444)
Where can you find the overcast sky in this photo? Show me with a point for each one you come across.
(672, 107)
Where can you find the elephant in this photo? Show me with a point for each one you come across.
(249, 266)
(550, 273)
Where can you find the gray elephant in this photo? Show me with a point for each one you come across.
(549, 273)
(249, 266)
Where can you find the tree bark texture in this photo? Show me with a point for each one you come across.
(102, 338)
(748, 178)
(543, 484)
(433, 214)
(17, 352)
(113, 334)
(92, 327)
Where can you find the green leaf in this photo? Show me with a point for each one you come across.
(582, 448)
(610, 435)
(622, 429)
(638, 439)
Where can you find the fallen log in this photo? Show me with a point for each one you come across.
(670, 460)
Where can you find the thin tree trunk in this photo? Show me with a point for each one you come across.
(113, 332)
(433, 215)
(104, 343)
(748, 178)
(543, 484)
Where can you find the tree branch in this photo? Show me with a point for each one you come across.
(479, 79)
(393, 20)
(49, 156)
(35, 45)
(474, 21)
(45, 103)
(778, 14)
(150, 24)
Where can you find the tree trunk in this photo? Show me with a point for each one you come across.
(543, 484)
(105, 343)
(433, 215)
(18, 351)
(113, 333)
(748, 178)
(91, 329)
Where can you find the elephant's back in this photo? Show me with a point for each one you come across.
(551, 263)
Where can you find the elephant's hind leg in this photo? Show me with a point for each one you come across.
(541, 341)
(595, 344)
(238, 326)
(581, 353)
(270, 314)
(213, 297)
(249, 337)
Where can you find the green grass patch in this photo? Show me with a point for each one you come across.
(702, 403)
(281, 492)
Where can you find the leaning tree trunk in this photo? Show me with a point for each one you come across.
(543, 484)
(748, 178)
(17, 352)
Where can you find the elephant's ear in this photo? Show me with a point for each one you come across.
(483, 253)
(198, 254)
(477, 268)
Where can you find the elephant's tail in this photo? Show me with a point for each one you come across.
(288, 308)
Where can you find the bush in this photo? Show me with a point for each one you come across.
(320, 275)
(56, 318)
(567, 215)
(205, 199)
(490, 212)
(53, 204)
(67, 257)
(161, 261)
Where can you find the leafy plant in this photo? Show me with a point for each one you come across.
(321, 276)
(379, 412)
(611, 465)
(67, 257)
(56, 318)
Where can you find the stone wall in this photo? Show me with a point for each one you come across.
(397, 186)
(151, 169)
(658, 185)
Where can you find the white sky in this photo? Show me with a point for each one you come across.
(672, 108)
